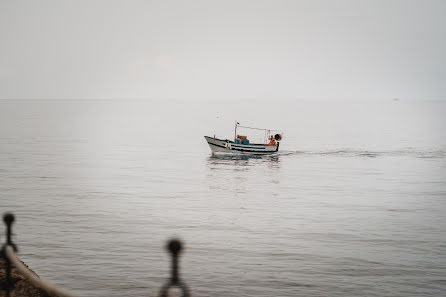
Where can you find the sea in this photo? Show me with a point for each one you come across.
(354, 203)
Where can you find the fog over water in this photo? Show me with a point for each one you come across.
(354, 204)
(229, 49)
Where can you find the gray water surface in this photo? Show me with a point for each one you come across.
(353, 205)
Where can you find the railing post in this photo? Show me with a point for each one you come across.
(8, 218)
(174, 247)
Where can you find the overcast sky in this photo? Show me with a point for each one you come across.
(326, 49)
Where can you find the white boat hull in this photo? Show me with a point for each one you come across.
(227, 146)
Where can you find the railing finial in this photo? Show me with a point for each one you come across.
(174, 247)
(8, 218)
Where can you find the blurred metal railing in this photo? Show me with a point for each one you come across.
(9, 253)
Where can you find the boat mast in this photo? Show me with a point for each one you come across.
(235, 131)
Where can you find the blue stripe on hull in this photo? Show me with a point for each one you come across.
(235, 145)
(248, 151)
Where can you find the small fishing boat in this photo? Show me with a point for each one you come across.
(241, 144)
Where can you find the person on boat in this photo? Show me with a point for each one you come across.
(271, 140)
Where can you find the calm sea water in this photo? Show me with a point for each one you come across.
(354, 205)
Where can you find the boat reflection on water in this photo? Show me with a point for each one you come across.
(243, 160)
(234, 157)
(243, 175)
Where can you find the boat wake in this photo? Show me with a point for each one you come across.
(421, 154)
